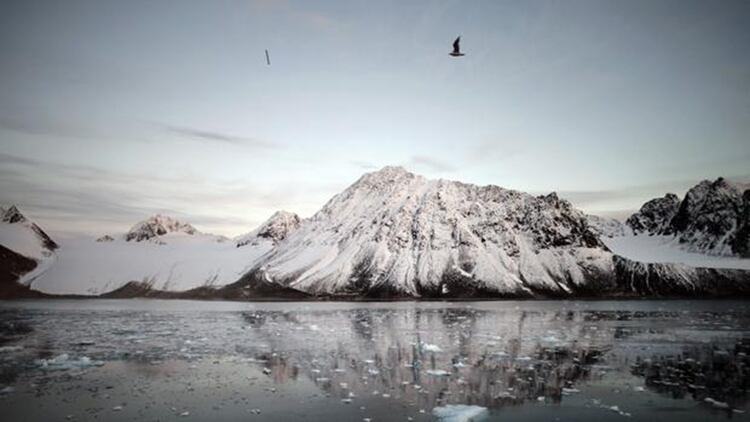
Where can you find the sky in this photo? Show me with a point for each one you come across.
(111, 111)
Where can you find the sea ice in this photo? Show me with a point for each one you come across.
(459, 413)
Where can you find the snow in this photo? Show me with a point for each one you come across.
(459, 413)
(667, 249)
(178, 262)
(397, 230)
(20, 238)
(276, 228)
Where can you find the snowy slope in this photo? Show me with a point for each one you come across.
(393, 232)
(160, 251)
(276, 229)
(607, 227)
(667, 249)
(24, 237)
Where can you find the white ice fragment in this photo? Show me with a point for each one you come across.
(438, 372)
(459, 413)
(431, 347)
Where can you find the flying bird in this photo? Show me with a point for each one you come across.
(456, 48)
(268, 59)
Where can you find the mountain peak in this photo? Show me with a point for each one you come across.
(13, 215)
(276, 228)
(158, 225)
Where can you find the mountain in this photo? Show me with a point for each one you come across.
(655, 216)
(26, 251)
(157, 225)
(275, 229)
(606, 227)
(158, 253)
(393, 233)
(713, 218)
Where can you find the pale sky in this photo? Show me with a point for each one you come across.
(113, 110)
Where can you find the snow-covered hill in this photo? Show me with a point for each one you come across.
(713, 218)
(161, 252)
(396, 233)
(275, 229)
(28, 250)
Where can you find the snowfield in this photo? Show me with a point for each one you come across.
(669, 250)
(177, 262)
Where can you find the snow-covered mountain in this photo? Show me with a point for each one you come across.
(156, 226)
(396, 233)
(26, 250)
(713, 218)
(275, 229)
(161, 253)
(607, 227)
(655, 216)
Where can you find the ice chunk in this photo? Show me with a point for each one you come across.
(431, 347)
(459, 413)
(438, 372)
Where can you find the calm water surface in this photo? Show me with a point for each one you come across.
(527, 360)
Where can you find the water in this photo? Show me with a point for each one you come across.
(526, 360)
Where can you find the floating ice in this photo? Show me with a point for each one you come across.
(431, 347)
(438, 372)
(63, 362)
(717, 404)
(459, 413)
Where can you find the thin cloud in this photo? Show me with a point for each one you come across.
(431, 163)
(213, 136)
(76, 198)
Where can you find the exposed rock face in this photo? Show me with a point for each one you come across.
(741, 244)
(660, 279)
(157, 225)
(655, 216)
(12, 267)
(710, 216)
(713, 218)
(393, 233)
(275, 229)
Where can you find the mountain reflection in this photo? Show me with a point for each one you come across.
(423, 355)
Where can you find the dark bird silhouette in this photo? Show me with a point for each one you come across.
(457, 48)
(268, 59)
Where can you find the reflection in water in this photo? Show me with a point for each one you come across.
(495, 354)
(716, 376)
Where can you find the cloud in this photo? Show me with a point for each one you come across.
(213, 136)
(432, 164)
(84, 199)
